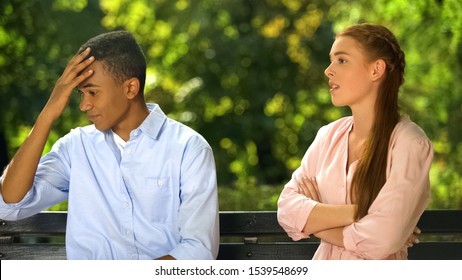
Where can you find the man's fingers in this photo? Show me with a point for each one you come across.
(80, 57)
(77, 74)
(82, 77)
(77, 64)
(77, 59)
(75, 70)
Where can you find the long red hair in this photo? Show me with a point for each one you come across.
(377, 42)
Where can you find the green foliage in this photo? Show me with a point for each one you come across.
(430, 34)
(37, 38)
(237, 72)
(249, 198)
(248, 75)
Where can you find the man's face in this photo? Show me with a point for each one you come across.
(102, 98)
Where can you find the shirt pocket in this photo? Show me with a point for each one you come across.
(158, 199)
(154, 184)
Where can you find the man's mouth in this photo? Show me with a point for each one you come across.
(93, 117)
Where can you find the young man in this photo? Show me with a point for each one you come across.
(139, 185)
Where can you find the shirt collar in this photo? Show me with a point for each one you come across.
(152, 125)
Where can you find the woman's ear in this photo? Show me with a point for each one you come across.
(132, 87)
(378, 69)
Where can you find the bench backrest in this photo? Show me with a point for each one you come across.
(244, 235)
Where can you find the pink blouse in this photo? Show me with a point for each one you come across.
(391, 218)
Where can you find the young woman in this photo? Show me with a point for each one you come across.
(364, 181)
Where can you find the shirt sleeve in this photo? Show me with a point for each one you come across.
(396, 210)
(198, 213)
(51, 172)
(294, 208)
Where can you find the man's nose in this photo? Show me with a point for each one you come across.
(85, 104)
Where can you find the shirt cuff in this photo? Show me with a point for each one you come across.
(293, 215)
(348, 240)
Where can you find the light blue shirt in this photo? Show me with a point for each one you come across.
(158, 197)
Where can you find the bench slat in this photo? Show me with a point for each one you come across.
(280, 251)
(440, 250)
(296, 251)
(441, 221)
(33, 252)
(231, 223)
(248, 223)
(244, 235)
(42, 223)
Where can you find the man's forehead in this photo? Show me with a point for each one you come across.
(87, 84)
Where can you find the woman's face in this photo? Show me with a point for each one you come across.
(350, 74)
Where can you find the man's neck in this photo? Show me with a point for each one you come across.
(138, 113)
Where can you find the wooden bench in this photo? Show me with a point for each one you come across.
(244, 236)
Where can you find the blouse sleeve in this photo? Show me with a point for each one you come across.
(293, 207)
(396, 210)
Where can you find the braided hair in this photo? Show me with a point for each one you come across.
(377, 42)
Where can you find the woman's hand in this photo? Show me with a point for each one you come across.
(413, 238)
(308, 187)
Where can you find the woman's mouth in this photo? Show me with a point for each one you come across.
(333, 86)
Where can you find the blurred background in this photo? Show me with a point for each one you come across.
(246, 74)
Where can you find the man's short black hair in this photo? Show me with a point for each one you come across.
(120, 55)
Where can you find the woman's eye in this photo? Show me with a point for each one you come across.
(341, 61)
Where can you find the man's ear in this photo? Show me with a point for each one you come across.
(378, 69)
(132, 87)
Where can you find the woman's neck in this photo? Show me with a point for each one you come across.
(363, 120)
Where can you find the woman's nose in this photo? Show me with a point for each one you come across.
(328, 72)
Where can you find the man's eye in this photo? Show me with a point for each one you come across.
(341, 61)
(92, 92)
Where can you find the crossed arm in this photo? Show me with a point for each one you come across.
(328, 221)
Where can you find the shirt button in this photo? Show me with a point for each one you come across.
(160, 183)
(127, 232)
(126, 204)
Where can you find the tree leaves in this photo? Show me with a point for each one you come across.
(248, 75)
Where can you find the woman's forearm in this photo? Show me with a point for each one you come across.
(333, 236)
(327, 216)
